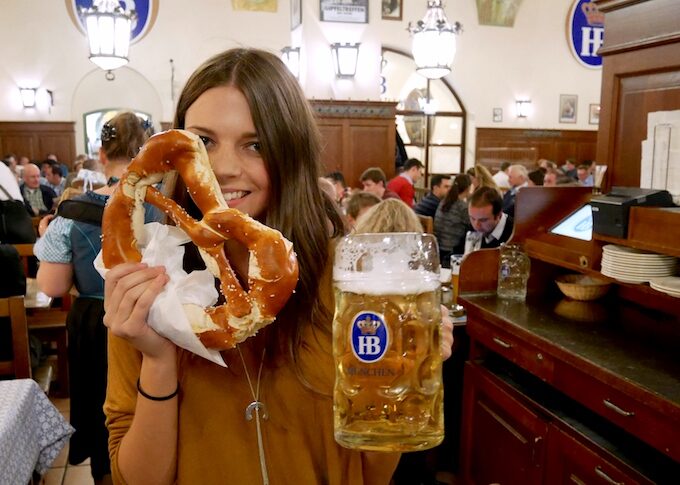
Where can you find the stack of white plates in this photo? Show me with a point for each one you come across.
(669, 285)
(635, 266)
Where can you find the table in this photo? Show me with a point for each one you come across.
(32, 431)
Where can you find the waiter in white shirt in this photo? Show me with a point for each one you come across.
(491, 226)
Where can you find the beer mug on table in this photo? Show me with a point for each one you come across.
(388, 393)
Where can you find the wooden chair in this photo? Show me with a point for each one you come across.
(25, 253)
(428, 223)
(49, 325)
(20, 365)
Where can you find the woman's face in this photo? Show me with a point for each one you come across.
(221, 117)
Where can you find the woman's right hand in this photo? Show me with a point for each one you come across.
(129, 291)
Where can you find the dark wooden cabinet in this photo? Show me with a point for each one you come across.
(503, 440)
(572, 462)
(357, 135)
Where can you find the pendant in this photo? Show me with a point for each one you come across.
(256, 406)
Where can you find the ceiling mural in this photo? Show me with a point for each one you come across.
(500, 13)
(255, 5)
(147, 11)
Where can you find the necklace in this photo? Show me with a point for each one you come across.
(255, 407)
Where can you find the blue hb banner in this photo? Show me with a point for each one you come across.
(585, 34)
(147, 11)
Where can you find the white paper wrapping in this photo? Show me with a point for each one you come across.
(163, 247)
(660, 164)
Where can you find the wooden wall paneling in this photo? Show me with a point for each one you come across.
(357, 135)
(36, 139)
(57, 144)
(370, 146)
(332, 153)
(496, 145)
(18, 144)
(640, 74)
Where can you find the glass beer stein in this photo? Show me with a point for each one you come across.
(388, 389)
(513, 272)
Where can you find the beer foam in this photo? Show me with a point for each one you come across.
(387, 264)
(384, 282)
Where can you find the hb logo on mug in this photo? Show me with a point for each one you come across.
(370, 337)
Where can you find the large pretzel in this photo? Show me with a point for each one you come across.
(272, 271)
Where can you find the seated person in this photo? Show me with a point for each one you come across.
(491, 226)
(54, 179)
(440, 185)
(451, 220)
(390, 215)
(338, 181)
(358, 203)
(403, 184)
(374, 181)
(38, 198)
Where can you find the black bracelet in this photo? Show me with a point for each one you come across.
(156, 398)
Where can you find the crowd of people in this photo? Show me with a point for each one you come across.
(472, 210)
(151, 415)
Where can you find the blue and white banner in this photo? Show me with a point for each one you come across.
(147, 11)
(585, 32)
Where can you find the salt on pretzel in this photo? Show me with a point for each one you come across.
(272, 268)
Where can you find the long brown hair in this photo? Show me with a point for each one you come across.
(290, 148)
(460, 184)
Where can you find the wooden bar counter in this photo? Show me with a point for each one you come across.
(562, 391)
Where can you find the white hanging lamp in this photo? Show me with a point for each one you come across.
(108, 33)
(434, 42)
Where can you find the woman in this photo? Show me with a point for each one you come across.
(190, 428)
(389, 215)
(481, 177)
(451, 221)
(66, 252)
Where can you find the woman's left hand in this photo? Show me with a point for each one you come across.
(446, 345)
(42, 225)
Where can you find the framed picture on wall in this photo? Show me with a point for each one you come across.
(353, 11)
(392, 9)
(497, 115)
(295, 14)
(568, 106)
(594, 114)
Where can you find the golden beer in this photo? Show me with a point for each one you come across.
(388, 392)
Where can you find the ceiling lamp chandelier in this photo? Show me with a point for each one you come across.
(434, 42)
(108, 33)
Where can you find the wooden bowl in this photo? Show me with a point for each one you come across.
(581, 287)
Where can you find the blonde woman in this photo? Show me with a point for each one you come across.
(481, 177)
(390, 215)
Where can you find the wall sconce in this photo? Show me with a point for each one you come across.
(28, 96)
(345, 57)
(523, 107)
(291, 58)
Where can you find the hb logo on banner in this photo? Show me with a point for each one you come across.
(370, 337)
(585, 27)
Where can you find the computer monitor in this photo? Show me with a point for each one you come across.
(578, 224)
